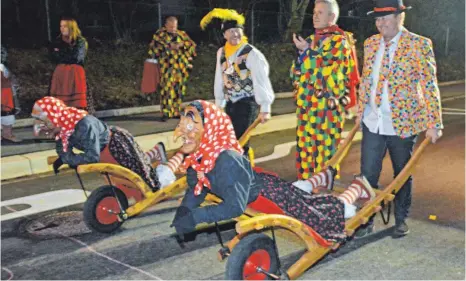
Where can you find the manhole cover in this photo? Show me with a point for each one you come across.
(57, 225)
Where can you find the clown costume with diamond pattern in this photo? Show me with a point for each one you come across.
(175, 65)
(321, 77)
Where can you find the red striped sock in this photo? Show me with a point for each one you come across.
(154, 154)
(323, 178)
(175, 161)
(353, 192)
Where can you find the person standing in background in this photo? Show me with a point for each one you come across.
(174, 50)
(69, 52)
(242, 85)
(10, 100)
(325, 77)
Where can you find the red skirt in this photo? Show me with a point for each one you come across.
(8, 104)
(150, 76)
(69, 85)
(7, 100)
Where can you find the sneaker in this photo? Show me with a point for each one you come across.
(162, 152)
(164, 118)
(401, 229)
(364, 230)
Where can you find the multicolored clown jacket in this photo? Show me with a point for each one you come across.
(174, 67)
(413, 94)
(325, 78)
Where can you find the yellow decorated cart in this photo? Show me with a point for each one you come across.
(251, 254)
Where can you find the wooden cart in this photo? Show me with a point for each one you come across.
(107, 207)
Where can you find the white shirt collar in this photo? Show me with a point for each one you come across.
(394, 39)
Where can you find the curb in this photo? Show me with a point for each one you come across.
(36, 163)
(449, 83)
(27, 122)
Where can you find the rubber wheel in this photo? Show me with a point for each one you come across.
(96, 209)
(252, 251)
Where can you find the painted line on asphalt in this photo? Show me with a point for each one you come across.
(112, 259)
(53, 200)
(282, 150)
(88, 247)
(453, 98)
(453, 109)
(26, 122)
(9, 272)
(42, 202)
(279, 151)
(453, 113)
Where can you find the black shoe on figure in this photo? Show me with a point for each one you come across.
(401, 229)
(163, 153)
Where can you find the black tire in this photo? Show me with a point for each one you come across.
(244, 249)
(91, 204)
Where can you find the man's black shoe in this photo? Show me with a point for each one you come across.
(401, 229)
(164, 118)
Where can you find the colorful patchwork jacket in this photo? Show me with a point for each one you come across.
(160, 46)
(412, 83)
(329, 67)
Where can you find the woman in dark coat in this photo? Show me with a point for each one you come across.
(69, 52)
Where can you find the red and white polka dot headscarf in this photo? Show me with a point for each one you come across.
(218, 136)
(60, 115)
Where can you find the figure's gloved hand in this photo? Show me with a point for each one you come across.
(57, 164)
(183, 221)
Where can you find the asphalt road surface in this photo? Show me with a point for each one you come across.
(57, 245)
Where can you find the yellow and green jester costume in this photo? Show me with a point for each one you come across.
(175, 66)
(322, 76)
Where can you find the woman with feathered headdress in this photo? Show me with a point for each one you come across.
(242, 83)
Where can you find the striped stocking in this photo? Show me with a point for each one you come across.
(157, 153)
(175, 161)
(359, 188)
(323, 178)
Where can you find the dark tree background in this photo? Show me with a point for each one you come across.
(24, 22)
(118, 32)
